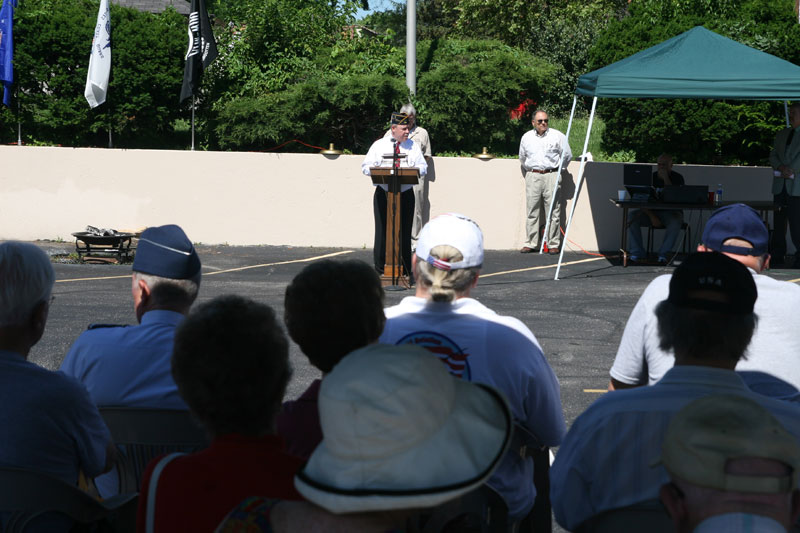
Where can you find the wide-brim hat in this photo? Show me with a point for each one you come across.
(400, 432)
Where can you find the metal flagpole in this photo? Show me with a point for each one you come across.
(553, 198)
(786, 111)
(19, 122)
(411, 46)
(577, 186)
(108, 111)
(192, 121)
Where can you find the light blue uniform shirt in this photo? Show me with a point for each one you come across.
(605, 460)
(49, 423)
(128, 365)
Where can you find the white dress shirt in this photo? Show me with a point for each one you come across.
(540, 152)
(384, 146)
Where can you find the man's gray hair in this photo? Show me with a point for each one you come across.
(408, 109)
(170, 292)
(26, 280)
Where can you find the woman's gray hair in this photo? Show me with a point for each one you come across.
(446, 285)
(408, 109)
(26, 280)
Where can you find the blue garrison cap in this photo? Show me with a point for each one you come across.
(166, 251)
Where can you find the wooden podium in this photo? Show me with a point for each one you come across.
(393, 178)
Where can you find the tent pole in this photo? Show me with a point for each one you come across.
(786, 111)
(558, 180)
(577, 186)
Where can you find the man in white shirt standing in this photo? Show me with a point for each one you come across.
(376, 157)
(420, 137)
(541, 151)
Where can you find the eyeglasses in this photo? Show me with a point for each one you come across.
(542, 121)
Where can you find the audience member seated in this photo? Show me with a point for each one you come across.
(331, 309)
(129, 365)
(738, 232)
(231, 364)
(400, 435)
(707, 320)
(732, 467)
(669, 219)
(476, 344)
(49, 422)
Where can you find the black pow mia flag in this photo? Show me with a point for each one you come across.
(202, 48)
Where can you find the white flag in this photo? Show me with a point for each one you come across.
(100, 59)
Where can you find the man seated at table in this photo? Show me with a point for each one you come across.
(670, 219)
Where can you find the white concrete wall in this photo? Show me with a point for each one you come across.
(248, 198)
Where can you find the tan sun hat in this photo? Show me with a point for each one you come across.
(400, 432)
(707, 433)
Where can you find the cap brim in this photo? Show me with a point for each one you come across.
(455, 460)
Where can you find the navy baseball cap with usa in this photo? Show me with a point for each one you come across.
(167, 252)
(736, 221)
(712, 281)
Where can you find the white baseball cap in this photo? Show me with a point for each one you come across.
(458, 231)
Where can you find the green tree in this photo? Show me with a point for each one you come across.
(52, 45)
(697, 131)
(467, 89)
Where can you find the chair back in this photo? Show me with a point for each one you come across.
(142, 434)
(540, 518)
(25, 496)
(650, 516)
(484, 510)
(481, 511)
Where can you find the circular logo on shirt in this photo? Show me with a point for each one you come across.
(451, 354)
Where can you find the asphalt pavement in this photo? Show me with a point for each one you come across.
(578, 319)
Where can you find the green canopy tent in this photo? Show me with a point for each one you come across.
(698, 64)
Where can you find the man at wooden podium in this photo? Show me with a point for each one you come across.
(377, 157)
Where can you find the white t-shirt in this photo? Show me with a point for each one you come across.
(774, 351)
(478, 345)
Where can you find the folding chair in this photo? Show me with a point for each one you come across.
(540, 519)
(650, 516)
(484, 510)
(481, 511)
(26, 496)
(141, 435)
(686, 241)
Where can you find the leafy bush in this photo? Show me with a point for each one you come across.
(467, 89)
(351, 111)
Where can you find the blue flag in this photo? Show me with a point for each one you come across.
(7, 48)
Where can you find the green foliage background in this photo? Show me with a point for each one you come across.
(310, 71)
(52, 45)
(696, 131)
